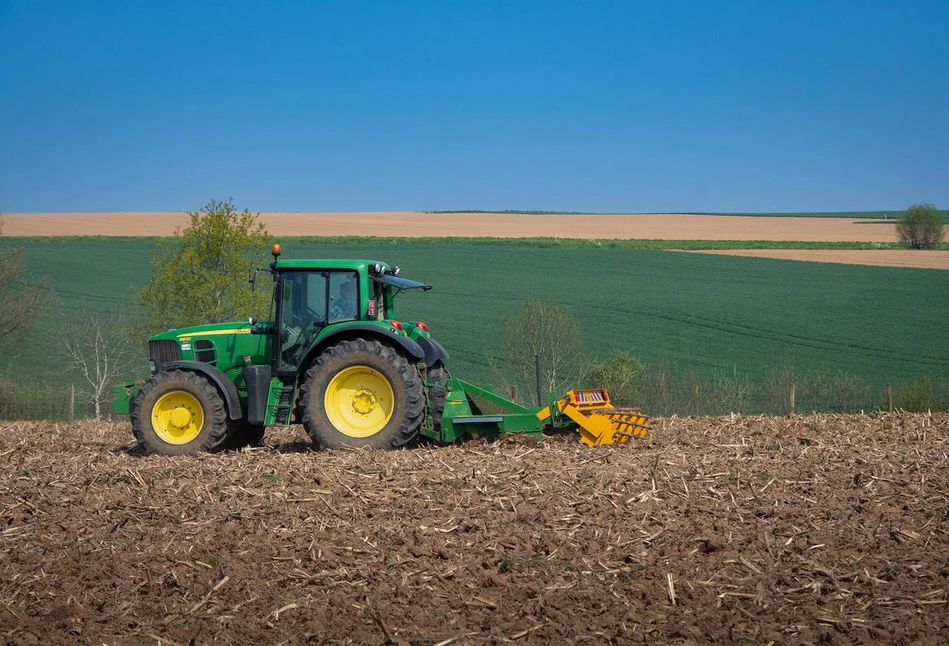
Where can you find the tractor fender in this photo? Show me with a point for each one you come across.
(225, 385)
(410, 347)
(434, 351)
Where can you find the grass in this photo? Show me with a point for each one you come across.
(723, 321)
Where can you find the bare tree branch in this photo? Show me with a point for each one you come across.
(543, 329)
(98, 351)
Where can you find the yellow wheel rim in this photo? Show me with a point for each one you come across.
(177, 417)
(359, 401)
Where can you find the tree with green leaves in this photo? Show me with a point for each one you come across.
(623, 375)
(921, 227)
(202, 276)
(22, 300)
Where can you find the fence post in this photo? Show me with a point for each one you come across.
(537, 377)
(72, 403)
(793, 397)
(695, 399)
(889, 398)
(513, 393)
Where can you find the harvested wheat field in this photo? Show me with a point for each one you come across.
(822, 529)
(920, 259)
(651, 226)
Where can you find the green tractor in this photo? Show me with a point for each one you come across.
(334, 358)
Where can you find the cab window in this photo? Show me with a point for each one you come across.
(344, 292)
(302, 311)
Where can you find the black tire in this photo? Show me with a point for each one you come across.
(198, 394)
(438, 376)
(241, 433)
(383, 362)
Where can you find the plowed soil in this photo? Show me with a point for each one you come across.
(821, 529)
(661, 226)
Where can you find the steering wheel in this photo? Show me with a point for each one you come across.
(309, 331)
(290, 335)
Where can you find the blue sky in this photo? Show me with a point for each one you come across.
(578, 106)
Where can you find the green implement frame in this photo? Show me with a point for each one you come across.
(472, 410)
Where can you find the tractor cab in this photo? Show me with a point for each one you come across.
(315, 299)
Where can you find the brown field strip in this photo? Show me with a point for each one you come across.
(414, 224)
(921, 259)
(821, 529)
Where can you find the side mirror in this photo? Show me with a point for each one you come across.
(253, 279)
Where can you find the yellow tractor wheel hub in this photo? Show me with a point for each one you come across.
(359, 401)
(177, 417)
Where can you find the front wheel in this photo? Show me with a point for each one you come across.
(179, 412)
(360, 393)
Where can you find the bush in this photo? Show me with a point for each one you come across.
(921, 227)
(729, 393)
(926, 393)
(34, 399)
(775, 393)
(623, 375)
(825, 389)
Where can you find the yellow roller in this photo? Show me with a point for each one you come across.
(598, 421)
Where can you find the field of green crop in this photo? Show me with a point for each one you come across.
(693, 314)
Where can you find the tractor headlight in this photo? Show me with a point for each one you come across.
(395, 270)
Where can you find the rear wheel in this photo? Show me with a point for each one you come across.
(179, 412)
(360, 393)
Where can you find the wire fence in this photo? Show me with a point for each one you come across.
(38, 400)
(658, 391)
(664, 393)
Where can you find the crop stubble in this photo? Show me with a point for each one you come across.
(749, 530)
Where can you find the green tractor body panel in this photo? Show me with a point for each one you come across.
(124, 394)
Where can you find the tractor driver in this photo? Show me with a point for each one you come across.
(344, 305)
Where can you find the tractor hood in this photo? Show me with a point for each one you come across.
(223, 345)
(185, 334)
